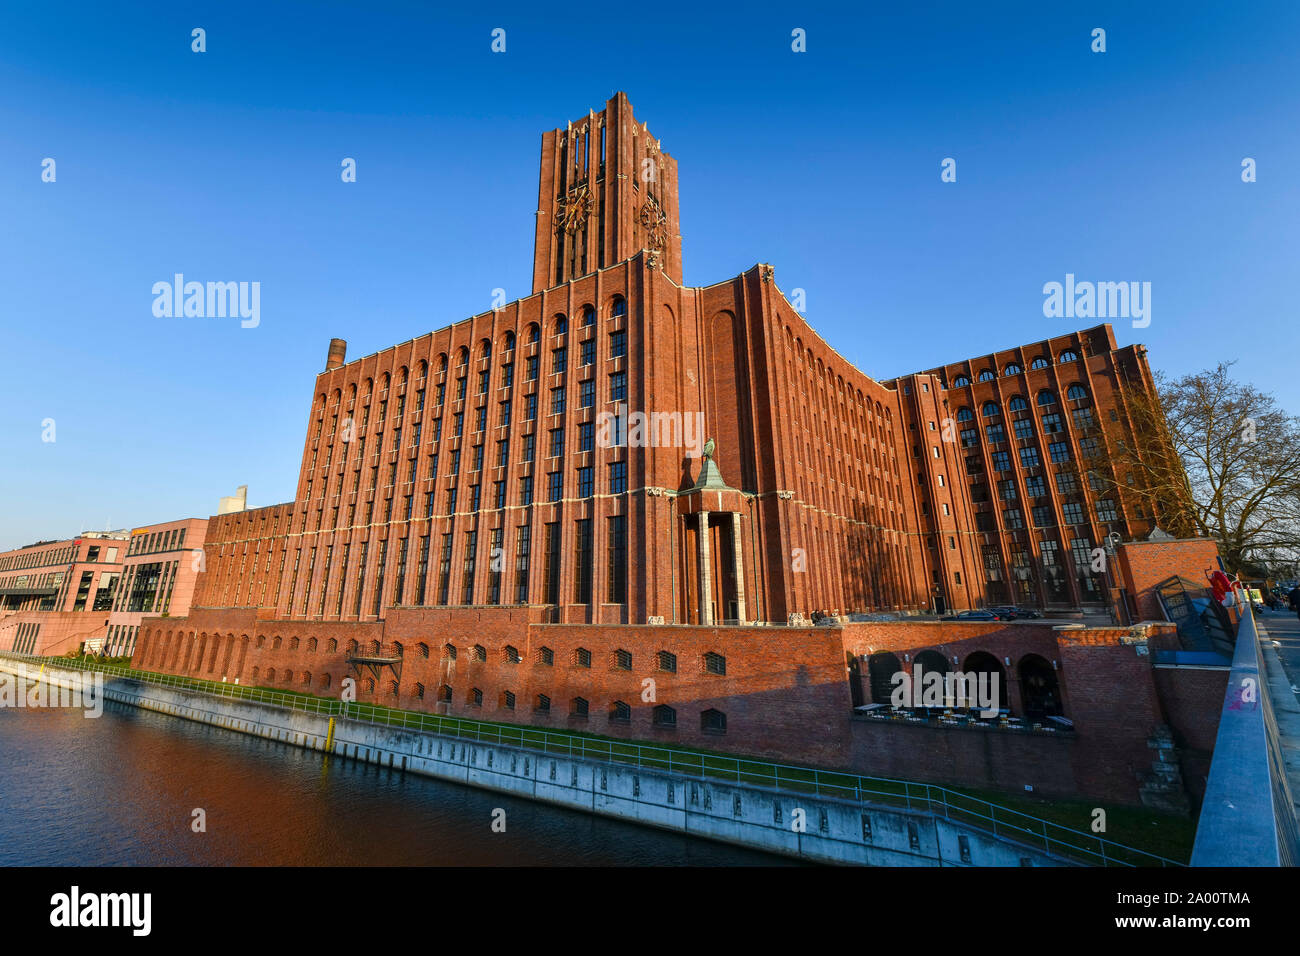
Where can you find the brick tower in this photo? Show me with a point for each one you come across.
(606, 190)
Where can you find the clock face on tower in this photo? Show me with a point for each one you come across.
(575, 207)
(655, 223)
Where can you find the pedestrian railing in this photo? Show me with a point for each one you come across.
(1002, 822)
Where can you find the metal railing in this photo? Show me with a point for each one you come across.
(1248, 816)
(878, 792)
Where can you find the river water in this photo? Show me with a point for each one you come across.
(123, 788)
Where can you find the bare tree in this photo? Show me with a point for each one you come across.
(1217, 458)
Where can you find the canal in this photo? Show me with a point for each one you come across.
(122, 789)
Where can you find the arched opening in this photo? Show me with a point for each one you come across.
(929, 662)
(989, 687)
(881, 668)
(1039, 688)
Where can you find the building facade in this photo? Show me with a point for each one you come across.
(526, 514)
(92, 591)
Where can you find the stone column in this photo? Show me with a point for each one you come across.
(706, 587)
(740, 567)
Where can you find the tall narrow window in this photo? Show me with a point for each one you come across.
(617, 559)
(583, 563)
(552, 565)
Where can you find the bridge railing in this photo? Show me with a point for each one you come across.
(1247, 817)
(1032, 831)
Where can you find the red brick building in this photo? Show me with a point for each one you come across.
(526, 487)
(93, 590)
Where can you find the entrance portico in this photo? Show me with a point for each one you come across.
(711, 512)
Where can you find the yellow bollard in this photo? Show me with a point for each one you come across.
(329, 736)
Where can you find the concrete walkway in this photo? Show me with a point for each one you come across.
(1282, 663)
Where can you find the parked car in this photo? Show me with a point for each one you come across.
(973, 616)
(1005, 613)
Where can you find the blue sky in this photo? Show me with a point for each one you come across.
(225, 166)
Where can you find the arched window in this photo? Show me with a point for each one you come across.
(1012, 369)
(618, 308)
(561, 325)
(1017, 403)
(534, 333)
(665, 716)
(485, 349)
(332, 645)
(578, 707)
(288, 677)
(275, 644)
(1046, 398)
(510, 341)
(1069, 355)
(480, 652)
(325, 680)
(542, 704)
(419, 691)
(990, 409)
(311, 645)
(713, 721)
(620, 712)
(270, 674)
(442, 363)
(986, 375)
(964, 414)
(293, 643)
(715, 663)
(1039, 362)
(462, 357)
(1076, 392)
(306, 678)
(511, 655)
(961, 381)
(588, 316)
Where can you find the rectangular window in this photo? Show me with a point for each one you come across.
(495, 561)
(1042, 516)
(503, 416)
(444, 569)
(969, 438)
(530, 407)
(1106, 510)
(503, 453)
(557, 443)
(586, 436)
(467, 574)
(559, 360)
(994, 433)
(1007, 490)
(530, 445)
(616, 560)
(1029, 458)
(1059, 451)
(526, 490)
(521, 564)
(499, 493)
(482, 381)
(618, 387)
(1083, 418)
(530, 368)
(557, 401)
(587, 393)
(617, 477)
(507, 375)
(1024, 428)
(1052, 424)
(554, 485)
(589, 352)
(585, 489)
(618, 344)
(1035, 486)
(1001, 461)
(583, 562)
(551, 565)
(1073, 512)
